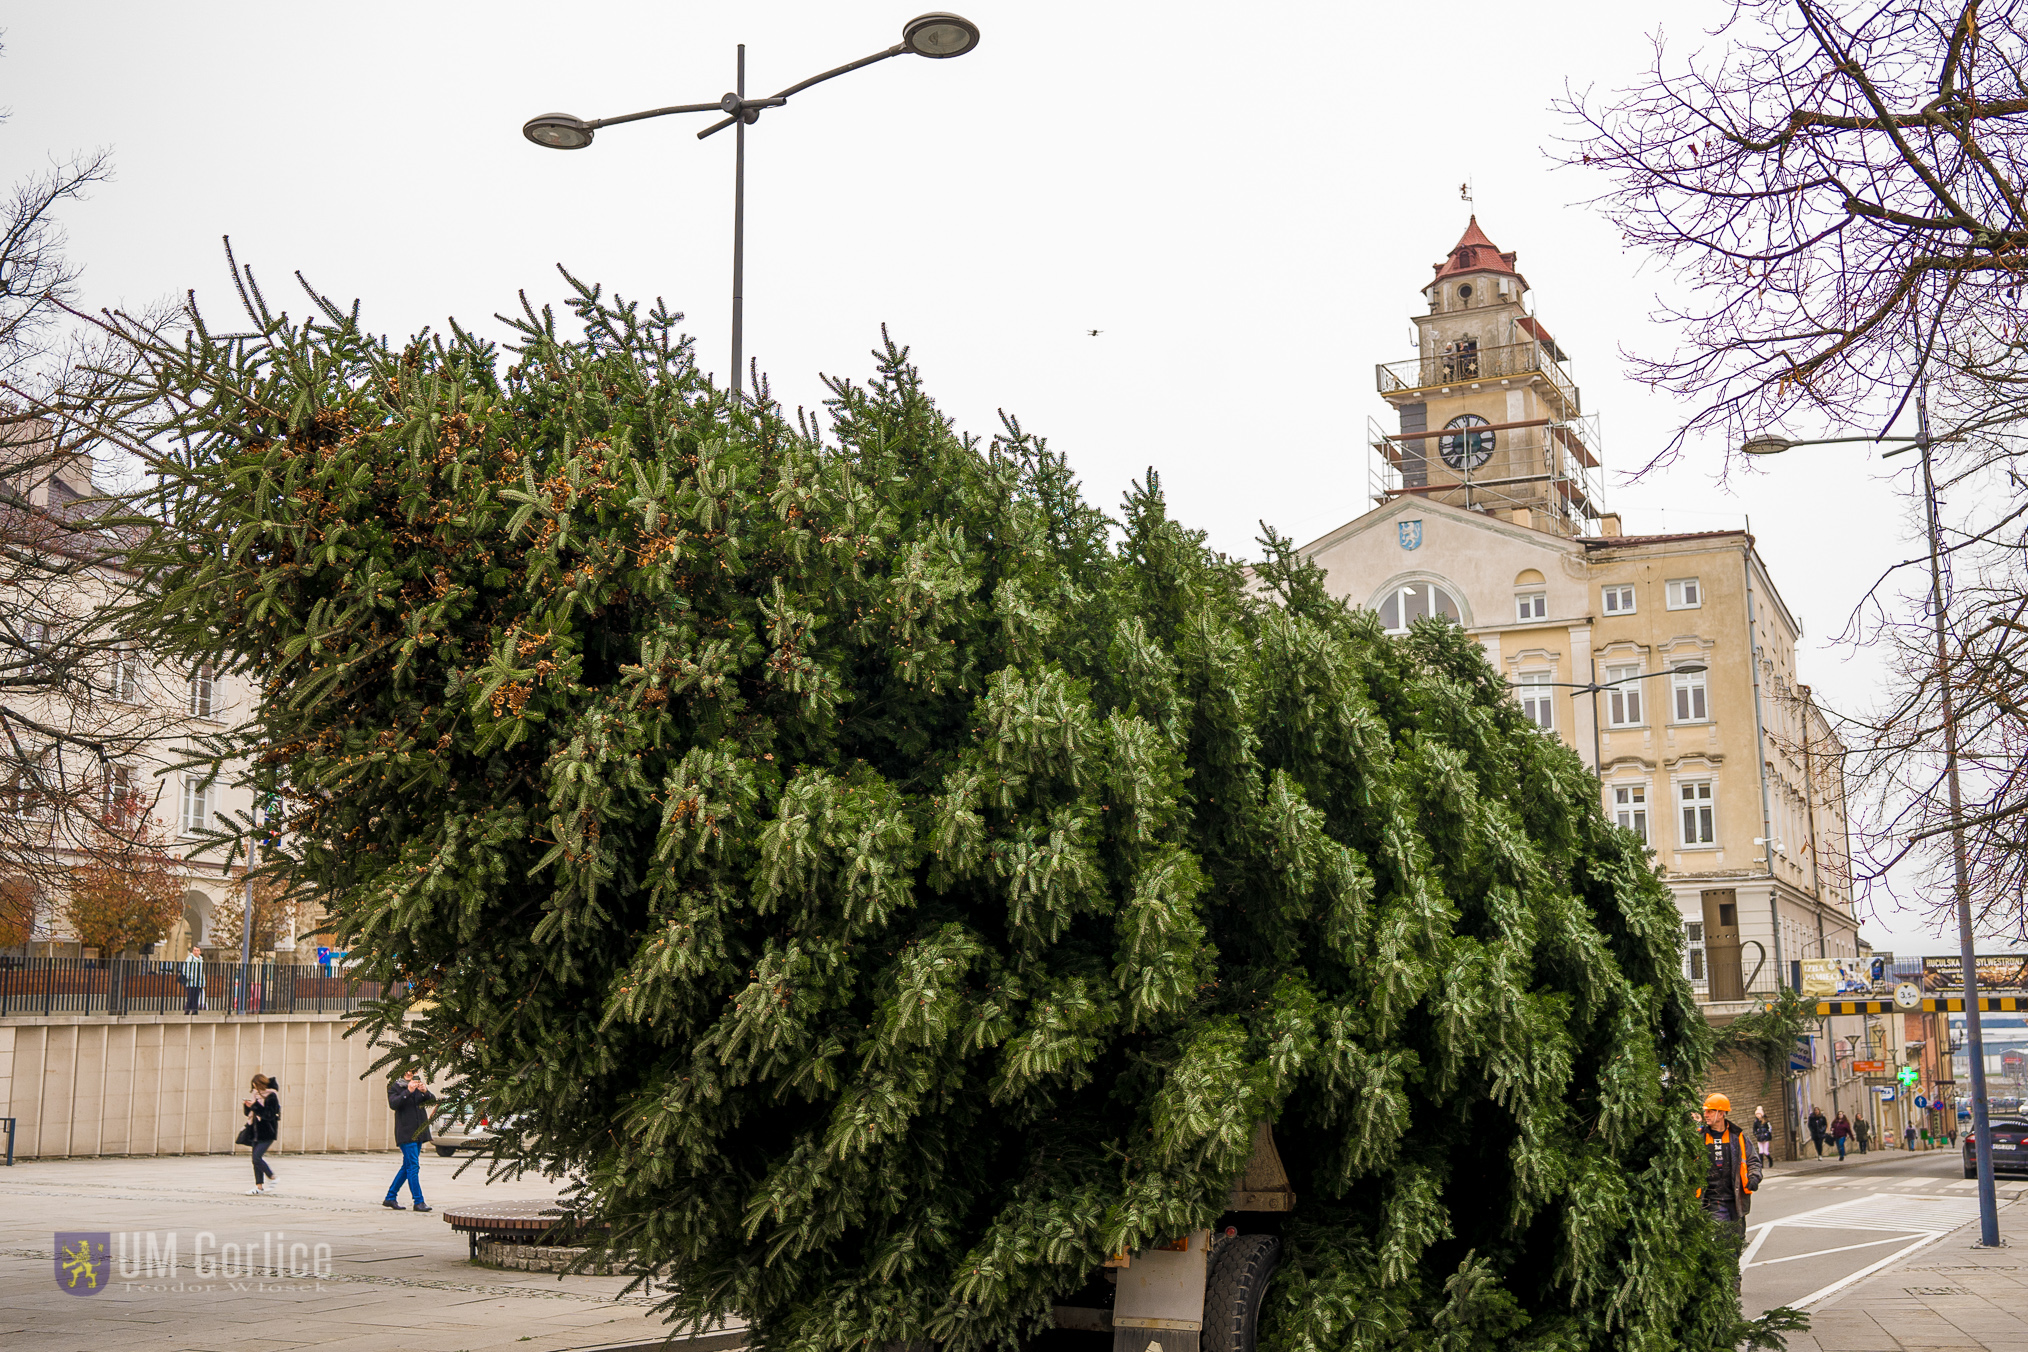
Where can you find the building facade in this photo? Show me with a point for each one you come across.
(1707, 743)
(71, 693)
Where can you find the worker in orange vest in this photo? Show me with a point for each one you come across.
(1731, 1172)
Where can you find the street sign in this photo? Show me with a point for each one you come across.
(1869, 1067)
(1921, 1102)
(1908, 996)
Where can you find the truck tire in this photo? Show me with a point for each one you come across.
(1240, 1268)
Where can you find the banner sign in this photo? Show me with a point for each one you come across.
(1998, 973)
(1869, 1067)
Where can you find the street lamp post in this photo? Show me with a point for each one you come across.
(1975, 1046)
(936, 35)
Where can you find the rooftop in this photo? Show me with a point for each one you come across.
(1475, 253)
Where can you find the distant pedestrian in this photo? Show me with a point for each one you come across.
(410, 1098)
(193, 980)
(1731, 1172)
(263, 1107)
(1763, 1136)
(1819, 1128)
(1840, 1130)
(1861, 1129)
(1909, 1135)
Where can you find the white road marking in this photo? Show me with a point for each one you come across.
(1819, 1253)
(1866, 1271)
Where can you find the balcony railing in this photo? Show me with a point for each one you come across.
(1486, 363)
(124, 986)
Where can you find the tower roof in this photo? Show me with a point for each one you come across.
(1475, 253)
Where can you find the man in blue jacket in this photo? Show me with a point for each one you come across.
(410, 1100)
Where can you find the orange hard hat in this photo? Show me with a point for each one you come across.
(1717, 1103)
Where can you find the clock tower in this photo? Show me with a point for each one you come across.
(1489, 419)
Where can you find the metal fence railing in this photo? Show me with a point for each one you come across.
(123, 986)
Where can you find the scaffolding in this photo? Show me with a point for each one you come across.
(1544, 472)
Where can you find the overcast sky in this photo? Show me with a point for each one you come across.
(1243, 199)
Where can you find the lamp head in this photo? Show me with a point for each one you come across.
(558, 131)
(1766, 444)
(1690, 668)
(939, 35)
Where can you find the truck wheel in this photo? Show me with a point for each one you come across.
(1240, 1268)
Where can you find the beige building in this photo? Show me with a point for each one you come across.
(1707, 744)
(145, 713)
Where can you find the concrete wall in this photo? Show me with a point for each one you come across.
(169, 1085)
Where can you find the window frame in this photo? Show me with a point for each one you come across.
(1522, 599)
(130, 676)
(1620, 699)
(204, 678)
(199, 793)
(1681, 684)
(1624, 589)
(1533, 690)
(1394, 597)
(1696, 965)
(1690, 807)
(1633, 808)
(1674, 591)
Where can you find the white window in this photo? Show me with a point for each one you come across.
(129, 676)
(1693, 951)
(122, 794)
(1685, 594)
(1415, 601)
(31, 786)
(1535, 700)
(1630, 808)
(1623, 702)
(1619, 600)
(1531, 605)
(1691, 706)
(1699, 827)
(196, 805)
(202, 692)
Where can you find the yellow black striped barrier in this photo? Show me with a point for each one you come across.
(1997, 1004)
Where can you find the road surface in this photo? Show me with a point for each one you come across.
(1812, 1235)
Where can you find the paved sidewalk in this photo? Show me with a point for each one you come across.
(1810, 1164)
(1951, 1296)
(393, 1281)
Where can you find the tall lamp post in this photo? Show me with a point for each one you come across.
(1975, 1046)
(936, 35)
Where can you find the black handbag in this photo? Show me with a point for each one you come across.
(246, 1135)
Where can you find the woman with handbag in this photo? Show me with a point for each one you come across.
(263, 1115)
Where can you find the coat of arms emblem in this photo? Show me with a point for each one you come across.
(83, 1266)
(1411, 534)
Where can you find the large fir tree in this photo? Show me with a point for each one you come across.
(889, 886)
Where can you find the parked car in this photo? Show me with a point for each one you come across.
(465, 1129)
(2010, 1147)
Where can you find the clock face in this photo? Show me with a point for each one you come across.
(1464, 448)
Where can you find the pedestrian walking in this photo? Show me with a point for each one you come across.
(410, 1098)
(1841, 1130)
(263, 1105)
(193, 980)
(1861, 1129)
(1910, 1135)
(1731, 1174)
(1819, 1128)
(1763, 1136)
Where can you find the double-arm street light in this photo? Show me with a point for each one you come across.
(1592, 688)
(935, 35)
(1975, 1046)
